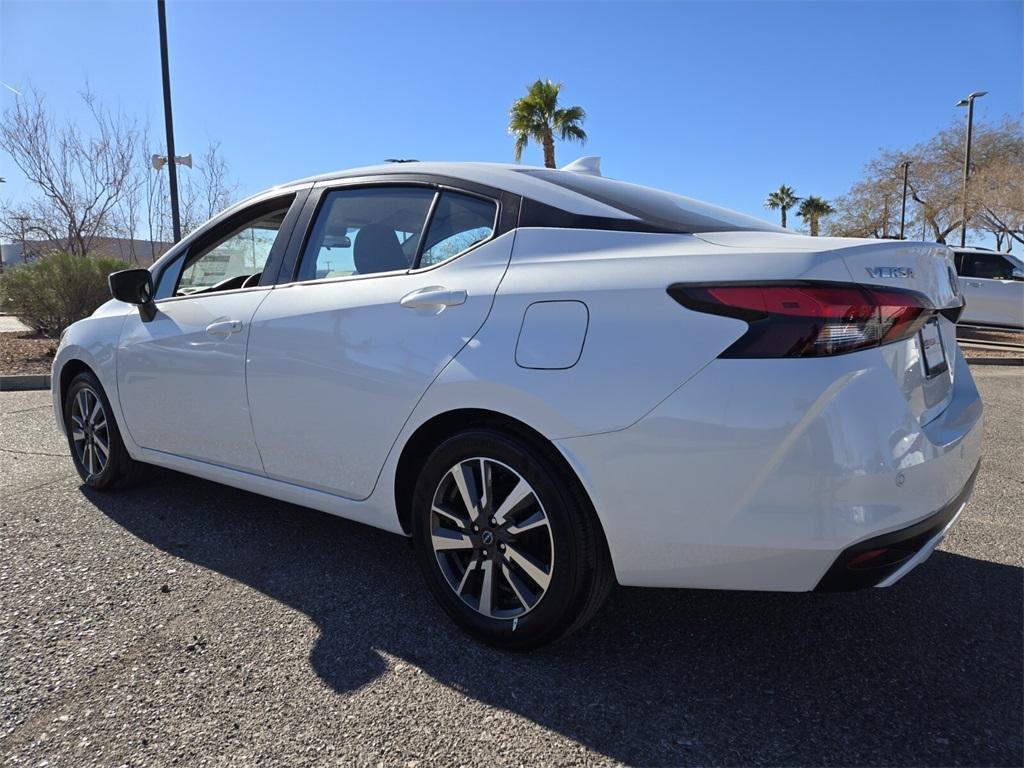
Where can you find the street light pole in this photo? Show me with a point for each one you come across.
(969, 103)
(172, 171)
(905, 165)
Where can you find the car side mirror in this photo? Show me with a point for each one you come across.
(134, 286)
(1017, 274)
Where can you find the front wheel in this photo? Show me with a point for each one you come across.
(96, 447)
(506, 544)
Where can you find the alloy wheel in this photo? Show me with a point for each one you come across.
(89, 431)
(492, 538)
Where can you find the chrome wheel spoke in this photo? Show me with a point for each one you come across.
(517, 497)
(449, 515)
(104, 448)
(492, 538)
(78, 434)
(445, 539)
(473, 565)
(466, 483)
(534, 570)
(537, 520)
(517, 586)
(82, 405)
(485, 606)
(97, 411)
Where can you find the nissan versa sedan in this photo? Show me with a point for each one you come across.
(552, 381)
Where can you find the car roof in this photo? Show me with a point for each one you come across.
(562, 189)
(503, 176)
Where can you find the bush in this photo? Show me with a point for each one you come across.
(52, 293)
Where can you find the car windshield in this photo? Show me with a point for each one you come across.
(654, 206)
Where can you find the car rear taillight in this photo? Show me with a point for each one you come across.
(809, 319)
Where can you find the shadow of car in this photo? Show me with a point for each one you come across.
(927, 672)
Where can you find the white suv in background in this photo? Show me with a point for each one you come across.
(993, 287)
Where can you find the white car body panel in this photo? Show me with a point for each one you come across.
(182, 390)
(333, 358)
(704, 472)
(754, 477)
(993, 302)
(990, 301)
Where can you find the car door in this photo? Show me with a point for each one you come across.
(993, 289)
(392, 282)
(181, 375)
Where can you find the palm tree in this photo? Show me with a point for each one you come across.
(812, 209)
(537, 116)
(782, 199)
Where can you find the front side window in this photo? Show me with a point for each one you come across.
(235, 260)
(366, 231)
(459, 222)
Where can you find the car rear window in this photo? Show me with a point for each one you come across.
(654, 206)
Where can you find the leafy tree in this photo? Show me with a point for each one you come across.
(781, 199)
(537, 116)
(812, 209)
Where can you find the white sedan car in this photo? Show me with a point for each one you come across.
(550, 380)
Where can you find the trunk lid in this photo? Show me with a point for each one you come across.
(926, 268)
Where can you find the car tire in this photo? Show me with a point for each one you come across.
(537, 551)
(90, 434)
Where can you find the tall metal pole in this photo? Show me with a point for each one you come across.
(172, 170)
(903, 211)
(969, 103)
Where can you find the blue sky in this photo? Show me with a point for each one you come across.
(721, 101)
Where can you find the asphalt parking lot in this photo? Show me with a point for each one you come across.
(184, 623)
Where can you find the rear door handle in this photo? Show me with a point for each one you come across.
(973, 284)
(433, 297)
(224, 328)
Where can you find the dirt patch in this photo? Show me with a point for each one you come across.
(26, 352)
(997, 336)
(975, 342)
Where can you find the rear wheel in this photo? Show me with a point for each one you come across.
(506, 544)
(95, 442)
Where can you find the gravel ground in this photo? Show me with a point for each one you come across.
(183, 623)
(968, 335)
(26, 352)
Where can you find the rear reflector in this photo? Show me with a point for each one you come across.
(809, 319)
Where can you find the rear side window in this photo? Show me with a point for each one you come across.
(459, 222)
(665, 210)
(990, 266)
(366, 231)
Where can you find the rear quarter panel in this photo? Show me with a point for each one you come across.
(640, 344)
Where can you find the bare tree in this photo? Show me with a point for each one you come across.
(871, 207)
(206, 190)
(80, 177)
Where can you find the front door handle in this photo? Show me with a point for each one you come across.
(224, 328)
(973, 284)
(434, 297)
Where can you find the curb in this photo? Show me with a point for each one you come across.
(23, 382)
(995, 361)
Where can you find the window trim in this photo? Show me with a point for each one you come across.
(288, 275)
(213, 230)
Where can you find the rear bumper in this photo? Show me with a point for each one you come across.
(881, 561)
(760, 475)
